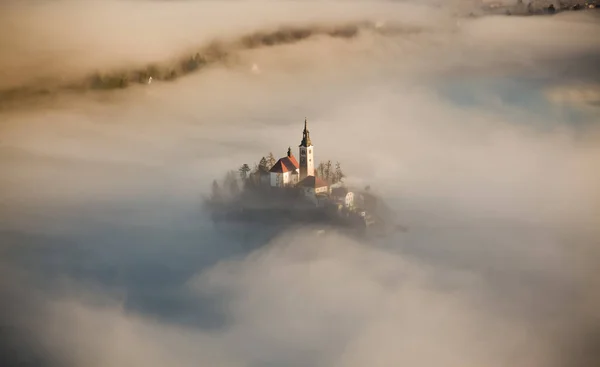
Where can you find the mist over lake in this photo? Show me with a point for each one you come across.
(481, 133)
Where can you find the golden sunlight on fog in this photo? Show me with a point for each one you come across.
(482, 133)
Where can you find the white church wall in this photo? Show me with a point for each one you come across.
(278, 179)
(307, 161)
(310, 162)
(275, 179)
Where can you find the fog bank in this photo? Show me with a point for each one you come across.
(481, 133)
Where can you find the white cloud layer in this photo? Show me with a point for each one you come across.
(464, 125)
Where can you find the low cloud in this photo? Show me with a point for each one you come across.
(331, 301)
(581, 96)
(468, 127)
(43, 58)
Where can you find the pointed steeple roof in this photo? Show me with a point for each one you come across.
(305, 136)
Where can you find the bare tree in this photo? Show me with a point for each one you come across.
(270, 161)
(338, 175)
(321, 170)
(328, 173)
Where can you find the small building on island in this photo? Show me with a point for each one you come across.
(313, 187)
(342, 196)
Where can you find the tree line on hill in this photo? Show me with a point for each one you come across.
(229, 186)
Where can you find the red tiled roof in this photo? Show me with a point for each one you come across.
(293, 161)
(313, 182)
(285, 164)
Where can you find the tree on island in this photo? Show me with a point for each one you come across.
(216, 194)
(327, 172)
(230, 183)
(321, 170)
(244, 169)
(263, 165)
(253, 176)
(338, 175)
(271, 161)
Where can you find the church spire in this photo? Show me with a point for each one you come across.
(305, 136)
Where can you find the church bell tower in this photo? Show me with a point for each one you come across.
(307, 162)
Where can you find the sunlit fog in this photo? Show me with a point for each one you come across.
(480, 131)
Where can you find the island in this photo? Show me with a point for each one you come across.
(289, 192)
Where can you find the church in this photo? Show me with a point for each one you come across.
(288, 172)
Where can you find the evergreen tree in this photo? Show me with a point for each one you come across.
(244, 169)
(263, 165)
